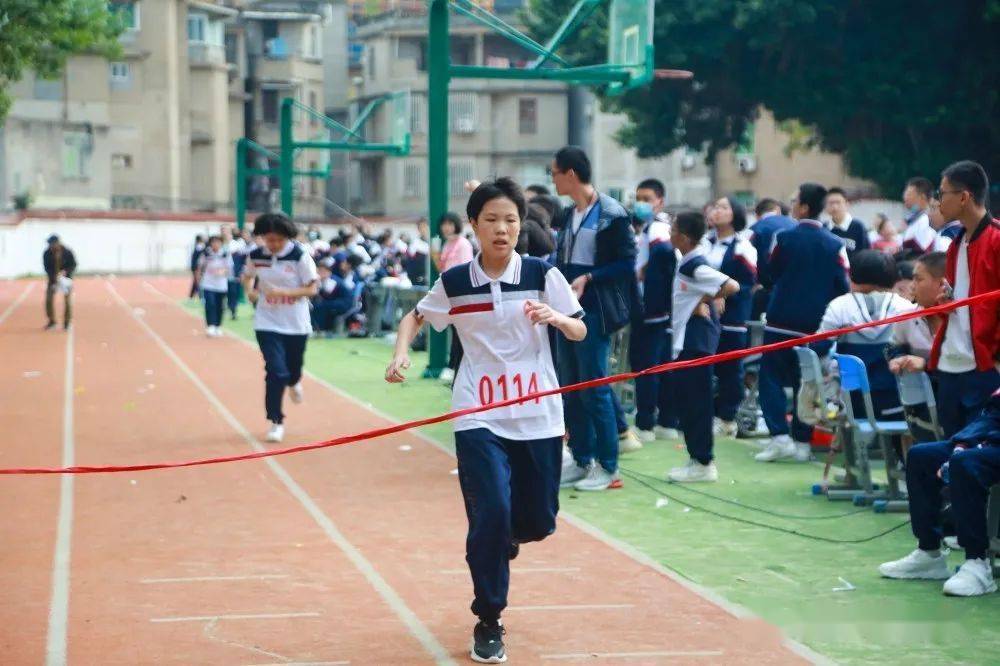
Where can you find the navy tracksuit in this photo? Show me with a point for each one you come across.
(511, 491)
(729, 375)
(808, 266)
(762, 237)
(283, 356)
(971, 472)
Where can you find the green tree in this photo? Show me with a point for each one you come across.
(898, 88)
(40, 35)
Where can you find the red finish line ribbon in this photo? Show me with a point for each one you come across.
(400, 427)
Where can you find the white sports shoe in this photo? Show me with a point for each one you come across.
(722, 428)
(276, 433)
(212, 331)
(803, 452)
(644, 435)
(571, 474)
(666, 433)
(974, 578)
(296, 393)
(447, 376)
(628, 442)
(917, 565)
(780, 446)
(598, 478)
(694, 472)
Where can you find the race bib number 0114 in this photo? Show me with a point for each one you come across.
(510, 383)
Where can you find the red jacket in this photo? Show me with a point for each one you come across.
(984, 277)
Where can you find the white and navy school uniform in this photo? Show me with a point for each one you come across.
(946, 236)
(509, 459)
(695, 337)
(237, 249)
(282, 323)
(736, 258)
(216, 269)
(919, 235)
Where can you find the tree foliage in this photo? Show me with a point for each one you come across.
(40, 34)
(898, 88)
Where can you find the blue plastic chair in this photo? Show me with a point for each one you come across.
(915, 390)
(854, 377)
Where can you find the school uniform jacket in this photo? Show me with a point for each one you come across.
(740, 263)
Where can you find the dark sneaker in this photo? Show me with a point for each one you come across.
(487, 643)
(515, 549)
(49, 326)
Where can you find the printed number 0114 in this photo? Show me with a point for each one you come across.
(489, 388)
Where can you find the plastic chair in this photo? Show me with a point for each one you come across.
(915, 390)
(854, 377)
(748, 414)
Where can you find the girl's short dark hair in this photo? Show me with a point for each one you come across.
(214, 238)
(739, 214)
(875, 268)
(496, 189)
(691, 224)
(275, 223)
(455, 220)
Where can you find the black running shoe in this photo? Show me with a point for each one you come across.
(515, 550)
(487, 643)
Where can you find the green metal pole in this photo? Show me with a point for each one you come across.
(437, 153)
(287, 167)
(241, 183)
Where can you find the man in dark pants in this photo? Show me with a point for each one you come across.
(969, 463)
(59, 264)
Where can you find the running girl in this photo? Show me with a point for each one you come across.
(280, 278)
(509, 459)
(215, 269)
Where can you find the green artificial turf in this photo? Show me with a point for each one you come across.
(788, 579)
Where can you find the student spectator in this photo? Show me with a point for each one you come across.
(650, 341)
(337, 294)
(199, 247)
(968, 463)
(770, 222)
(918, 237)
(842, 223)
(945, 231)
(59, 264)
(215, 268)
(596, 253)
(967, 347)
(233, 245)
(904, 284)
(913, 338)
(419, 249)
(873, 275)
(456, 249)
(535, 238)
(532, 192)
(887, 235)
(737, 259)
(697, 288)
(808, 266)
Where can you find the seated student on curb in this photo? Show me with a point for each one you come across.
(509, 458)
(969, 463)
(699, 293)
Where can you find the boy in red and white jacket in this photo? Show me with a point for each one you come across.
(966, 351)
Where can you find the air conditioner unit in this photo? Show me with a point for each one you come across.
(465, 126)
(746, 163)
(688, 162)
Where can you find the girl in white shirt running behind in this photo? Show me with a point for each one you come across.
(510, 458)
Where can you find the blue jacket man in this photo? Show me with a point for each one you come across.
(770, 223)
(596, 252)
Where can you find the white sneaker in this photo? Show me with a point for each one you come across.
(780, 446)
(666, 433)
(694, 472)
(722, 428)
(644, 436)
(571, 474)
(951, 543)
(919, 564)
(296, 393)
(447, 376)
(212, 331)
(276, 433)
(974, 578)
(598, 478)
(628, 442)
(803, 452)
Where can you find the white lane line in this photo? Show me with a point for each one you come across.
(304, 663)
(570, 607)
(55, 643)
(614, 543)
(514, 570)
(367, 569)
(235, 616)
(204, 579)
(634, 655)
(17, 301)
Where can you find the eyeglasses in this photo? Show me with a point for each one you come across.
(938, 193)
(549, 171)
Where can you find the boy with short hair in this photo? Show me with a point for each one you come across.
(696, 291)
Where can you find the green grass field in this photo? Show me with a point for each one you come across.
(775, 564)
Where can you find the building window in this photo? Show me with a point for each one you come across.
(121, 75)
(48, 89)
(232, 45)
(527, 115)
(121, 161)
(313, 104)
(459, 173)
(370, 55)
(201, 30)
(269, 29)
(413, 48)
(311, 47)
(313, 182)
(128, 12)
(413, 184)
(76, 155)
(464, 115)
(269, 106)
(418, 114)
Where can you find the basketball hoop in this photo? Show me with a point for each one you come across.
(673, 74)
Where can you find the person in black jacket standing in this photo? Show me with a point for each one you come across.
(596, 252)
(59, 264)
